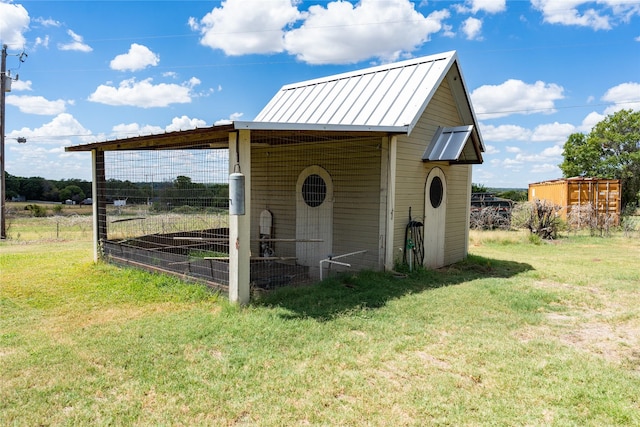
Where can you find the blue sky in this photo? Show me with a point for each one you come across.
(537, 70)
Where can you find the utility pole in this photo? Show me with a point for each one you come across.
(3, 194)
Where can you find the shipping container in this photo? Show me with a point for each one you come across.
(603, 194)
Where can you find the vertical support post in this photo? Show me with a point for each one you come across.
(467, 212)
(3, 195)
(98, 182)
(391, 202)
(384, 200)
(240, 225)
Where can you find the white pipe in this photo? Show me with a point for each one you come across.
(331, 260)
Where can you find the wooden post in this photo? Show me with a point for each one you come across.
(99, 201)
(384, 196)
(240, 225)
(391, 202)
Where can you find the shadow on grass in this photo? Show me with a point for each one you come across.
(367, 289)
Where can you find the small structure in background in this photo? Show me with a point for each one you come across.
(582, 200)
(489, 211)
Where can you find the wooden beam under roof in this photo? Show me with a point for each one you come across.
(213, 137)
(218, 137)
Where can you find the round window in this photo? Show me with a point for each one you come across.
(314, 190)
(436, 192)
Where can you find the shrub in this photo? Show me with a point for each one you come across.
(540, 217)
(587, 217)
(489, 218)
(36, 210)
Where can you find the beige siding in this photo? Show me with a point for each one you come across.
(412, 174)
(457, 228)
(355, 171)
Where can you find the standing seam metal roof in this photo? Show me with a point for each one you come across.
(391, 95)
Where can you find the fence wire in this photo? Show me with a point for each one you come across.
(311, 201)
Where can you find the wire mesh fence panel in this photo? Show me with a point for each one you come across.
(316, 205)
(313, 202)
(168, 209)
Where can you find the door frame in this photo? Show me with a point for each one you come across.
(314, 222)
(435, 219)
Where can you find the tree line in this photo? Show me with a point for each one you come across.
(162, 195)
(168, 195)
(46, 190)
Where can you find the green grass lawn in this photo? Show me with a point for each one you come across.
(519, 334)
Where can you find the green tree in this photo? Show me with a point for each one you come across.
(72, 192)
(12, 185)
(479, 188)
(32, 188)
(611, 150)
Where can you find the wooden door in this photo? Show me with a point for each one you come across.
(314, 218)
(435, 214)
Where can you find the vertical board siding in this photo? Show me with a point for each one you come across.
(355, 171)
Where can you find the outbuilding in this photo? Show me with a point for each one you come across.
(361, 170)
(602, 196)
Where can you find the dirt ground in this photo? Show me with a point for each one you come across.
(604, 324)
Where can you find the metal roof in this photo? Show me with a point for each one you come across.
(388, 99)
(391, 96)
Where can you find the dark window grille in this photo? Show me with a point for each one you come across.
(314, 190)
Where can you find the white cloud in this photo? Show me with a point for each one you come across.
(513, 149)
(510, 163)
(138, 58)
(143, 93)
(504, 133)
(184, 123)
(48, 22)
(490, 149)
(36, 104)
(339, 32)
(345, 33)
(553, 132)
(238, 29)
(447, 30)
(546, 168)
(547, 154)
(488, 6)
(516, 97)
(597, 15)
(553, 152)
(134, 129)
(590, 121)
(44, 42)
(624, 96)
(60, 130)
(76, 43)
(14, 20)
(232, 118)
(472, 27)
(19, 85)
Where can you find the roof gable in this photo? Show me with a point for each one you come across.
(389, 96)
